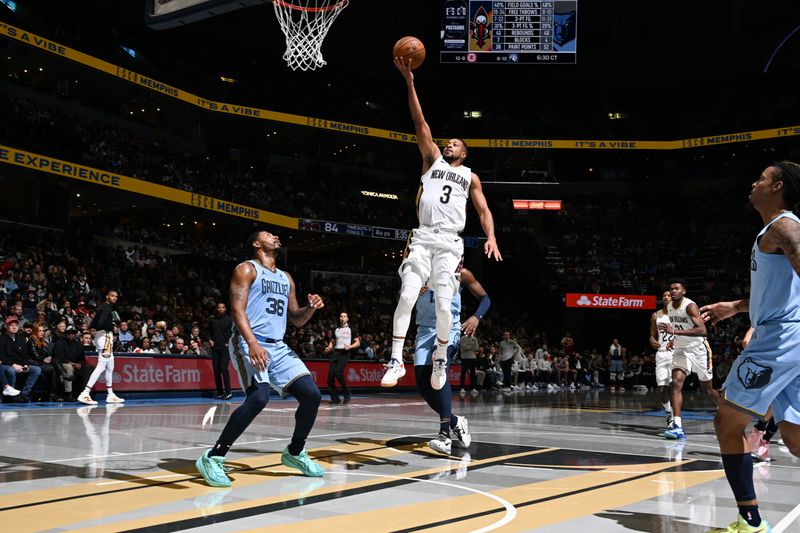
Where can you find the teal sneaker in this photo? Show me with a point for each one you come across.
(741, 526)
(303, 463)
(212, 470)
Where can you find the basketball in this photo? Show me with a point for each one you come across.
(410, 48)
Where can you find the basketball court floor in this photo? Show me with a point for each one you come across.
(549, 462)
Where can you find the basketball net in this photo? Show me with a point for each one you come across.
(305, 24)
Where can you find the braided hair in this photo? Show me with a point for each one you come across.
(789, 174)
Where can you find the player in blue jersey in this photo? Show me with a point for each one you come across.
(767, 372)
(262, 299)
(440, 400)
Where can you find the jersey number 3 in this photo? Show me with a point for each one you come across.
(275, 306)
(446, 190)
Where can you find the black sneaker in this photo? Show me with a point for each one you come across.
(335, 401)
(227, 396)
(346, 400)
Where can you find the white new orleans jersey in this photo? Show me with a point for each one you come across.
(443, 202)
(663, 337)
(681, 320)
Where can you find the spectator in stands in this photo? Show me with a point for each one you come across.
(87, 342)
(29, 305)
(567, 344)
(196, 350)
(147, 346)
(220, 326)
(14, 353)
(40, 355)
(69, 353)
(509, 350)
(180, 348)
(125, 337)
(469, 353)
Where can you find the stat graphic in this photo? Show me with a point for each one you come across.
(506, 31)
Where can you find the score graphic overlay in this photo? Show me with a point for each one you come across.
(506, 31)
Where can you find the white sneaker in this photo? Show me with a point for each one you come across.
(463, 392)
(395, 370)
(113, 398)
(10, 391)
(441, 444)
(439, 375)
(461, 431)
(85, 398)
(475, 392)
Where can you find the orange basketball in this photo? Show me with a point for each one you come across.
(410, 48)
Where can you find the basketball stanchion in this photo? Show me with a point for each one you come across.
(305, 23)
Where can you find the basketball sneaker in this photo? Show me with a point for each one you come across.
(439, 374)
(441, 444)
(461, 431)
(741, 526)
(303, 462)
(113, 398)
(85, 398)
(675, 432)
(395, 370)
(754, 439)
(762, 452)
(212, 470)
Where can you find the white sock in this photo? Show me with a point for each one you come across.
(667, 407)
(441, 351)
(677, 420)
(109, 390)
(87, 390)
(397, 349)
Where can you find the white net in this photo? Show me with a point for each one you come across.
(305, 24)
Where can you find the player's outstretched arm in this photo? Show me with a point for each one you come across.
(243, 276)
(430, 152)
(485, 215)
(722, 310)
(476, 289)
(298, 316)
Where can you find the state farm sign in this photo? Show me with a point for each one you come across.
(610, 301)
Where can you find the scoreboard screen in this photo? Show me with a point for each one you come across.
(506, 31)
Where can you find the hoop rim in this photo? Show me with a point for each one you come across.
(284, 3)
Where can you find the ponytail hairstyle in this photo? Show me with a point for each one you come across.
(789, 174)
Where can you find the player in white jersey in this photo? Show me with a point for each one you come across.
(691, 353)
(662, 342)
(436, 249)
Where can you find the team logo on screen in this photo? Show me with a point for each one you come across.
(481, 27)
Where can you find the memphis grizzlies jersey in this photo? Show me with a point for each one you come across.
(443, 202)
(268, 302)
(426, 309)
(663, 337)
(680, 319)
(774, 285)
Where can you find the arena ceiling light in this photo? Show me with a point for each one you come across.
(226, 79)
(10, 4)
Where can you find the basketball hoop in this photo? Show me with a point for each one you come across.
(305, 24)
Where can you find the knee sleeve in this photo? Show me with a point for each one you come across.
(444, 317)
(409, 293)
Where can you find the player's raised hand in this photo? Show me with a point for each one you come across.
(718, 311)
(491, 250)
(405, 68)
(315, 301)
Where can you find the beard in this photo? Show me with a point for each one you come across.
(449, 158)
